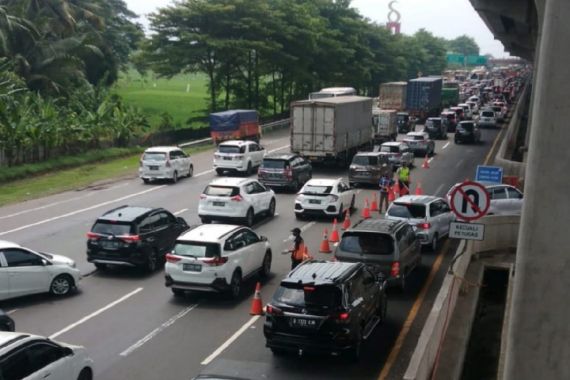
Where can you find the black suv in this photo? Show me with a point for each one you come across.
(325, 307)
(284, 170)
(6, 323)
(133, 236)
(436, 127)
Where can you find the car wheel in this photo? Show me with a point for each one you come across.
(299, 216)
(278, 351)
(295, 186)
(175, 177)
(191, 171)
(402, 283)
(271, 209)
(146, 181)
(235, 285)
(457, 141)
(61, 285)
(85, 374)
(219, 172)
(100, 266)
(152, 262)
(178, 292)
(354, 352)
(266, 265)
(205, 220)
(249, 218)
(249, 169)
(434, 243)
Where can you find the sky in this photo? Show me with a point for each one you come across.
(444, 18)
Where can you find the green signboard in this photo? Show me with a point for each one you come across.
(476, 60)
(455, 58)
(472, 60)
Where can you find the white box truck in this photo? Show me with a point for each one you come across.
(385, 125)
(331, 129)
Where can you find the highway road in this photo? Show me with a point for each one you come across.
(134, 328)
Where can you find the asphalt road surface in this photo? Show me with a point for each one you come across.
(134, 328)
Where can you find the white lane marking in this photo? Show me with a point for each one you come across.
(440, 187)
(12, 311)
(303, 229)
(157, 331)
(445, 146)
(95, 313)
(358, 191)
(180, 211)
(204, 173)
(60, 202)
(459, 163)
(430, 160)
(80, 211)
(232, 339)
(280, 148)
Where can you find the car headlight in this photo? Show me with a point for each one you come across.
(72, 264)
(333, 198)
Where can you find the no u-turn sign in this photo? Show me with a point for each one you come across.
(469, 201)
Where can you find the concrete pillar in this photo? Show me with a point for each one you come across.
(538, 343)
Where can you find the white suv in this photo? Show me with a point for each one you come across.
(324, 197)
(238, 199)
(32, 357)
(164, 162)
(24, 272)
(429, 216)
(238, 156)
(216, 258)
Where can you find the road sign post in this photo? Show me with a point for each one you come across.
(469, 201)
(467, 231)
(491, 174)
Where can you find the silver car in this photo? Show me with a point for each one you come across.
(505, 199)
(429, 216)
(398, 153)
(419, 142)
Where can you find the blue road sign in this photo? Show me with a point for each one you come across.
(492, 174)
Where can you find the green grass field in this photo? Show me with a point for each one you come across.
(183, 96)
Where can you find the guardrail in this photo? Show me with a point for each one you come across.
(264, 128)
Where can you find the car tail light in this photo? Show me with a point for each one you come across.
(237, 198)
(272, 310)
(309, 289)
(203, 196)
(424, 226)
(395, 269)
(288, 173)
(172, 258)
(93, 236)
(342, 317)
(215, 261)
(130, 238)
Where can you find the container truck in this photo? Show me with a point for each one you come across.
(385, 125)
(332, 129)
(393, 96)
(423, 97)
(234, 125)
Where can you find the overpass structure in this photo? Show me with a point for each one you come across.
(538, 325)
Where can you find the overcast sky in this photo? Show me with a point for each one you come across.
(445, 18)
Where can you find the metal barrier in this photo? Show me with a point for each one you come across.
(264, 127)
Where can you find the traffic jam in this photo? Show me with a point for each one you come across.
(318, 237)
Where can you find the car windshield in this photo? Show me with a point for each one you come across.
(430, 123)
(367, 243)
(466, 126)
(488, 114)
(389, 149)
(221, 191)
(274, 164)
(111, 228)
(231, 149)
(402, 118)
(321, 296)
(196, 249)
(312, 189)
(154, 156)
(416, 137)
(365, 160)
(497, 109)
(407, 210)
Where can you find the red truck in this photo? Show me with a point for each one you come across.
(234, 125)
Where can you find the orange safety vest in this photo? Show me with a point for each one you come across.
(299, 254)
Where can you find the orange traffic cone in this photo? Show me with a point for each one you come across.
(325, 247)
(366, 210)
(396, 189)
(334, 233)
(391, 195)
(256, 304)
(419, 190)
(346, 222)
(374, 206)
(425, 164)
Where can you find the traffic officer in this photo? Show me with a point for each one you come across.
(384, 183)
(298, 251)
(403, 174)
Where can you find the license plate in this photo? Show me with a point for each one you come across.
(303, 322)
(220, 204)
(227, 158)
(153, 167)
(192, 267)
(110, 244)
(314, 201)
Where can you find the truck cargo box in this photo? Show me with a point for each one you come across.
(393, 96)
(234, 125)
(424, 93)
(385, 125)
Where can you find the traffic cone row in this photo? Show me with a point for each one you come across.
(366, 210)
(346, 222)
(374, 206)
(257, 304)
(334, 233)
(325, 246)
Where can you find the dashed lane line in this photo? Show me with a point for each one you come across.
(180, 211)
(445, 146)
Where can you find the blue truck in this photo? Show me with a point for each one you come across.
(423, 97)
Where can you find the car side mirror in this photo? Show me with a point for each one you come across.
(67, 351)
(181, 221)
(263, 238)
(45, 263)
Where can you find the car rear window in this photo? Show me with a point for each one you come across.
(365, 160)
(275, 164)
(488, 114)
(311, 189)
(307, 296)
(497, 109)
(369, 243)
(196, 249)
(111, 228)
(389, 149)
(433, 122)
(221, 191)
(154, 156)
(231, 149)
(416, 137)
(466, 126)
(407, 210)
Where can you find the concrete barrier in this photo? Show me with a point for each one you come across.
(501, 232)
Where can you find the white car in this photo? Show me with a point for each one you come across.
(238, 156)
(429, 216)
(466, 110)
(165, 162)
(324, 197)
(505, 199)
(32, 357)
(24, 272)
(216, 258)
(487, 118)
(420, 143)
(474, 106)
(238, 199)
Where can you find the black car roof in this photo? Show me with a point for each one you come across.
(377, 225)
(280, 156)
(321, 272)
(126, 213)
